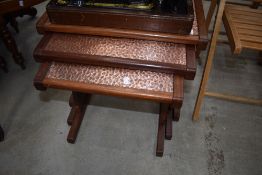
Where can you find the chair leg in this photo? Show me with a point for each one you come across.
(209, 60)
(11, 46)
(3, 64)
(1, 134)
(161, 129)
(77, 114)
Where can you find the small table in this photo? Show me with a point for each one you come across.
(84, 80)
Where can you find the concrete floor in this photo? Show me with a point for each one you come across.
(118, 136)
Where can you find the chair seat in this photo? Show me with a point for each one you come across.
(244, 27)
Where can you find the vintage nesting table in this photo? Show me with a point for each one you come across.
(129, 63)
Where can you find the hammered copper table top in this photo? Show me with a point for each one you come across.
(156, 51)
(118, 77)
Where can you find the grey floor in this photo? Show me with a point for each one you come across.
(118, 136)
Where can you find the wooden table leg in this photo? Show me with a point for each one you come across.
(169, 128)
(76, 123)
(176, 112)
(73, 110)
(73, 103)
(1, 134)
(175, 116)
(10, 44)
(161, 129)
(71, 115)
(77, 114)
(71, 100)
(3, 64)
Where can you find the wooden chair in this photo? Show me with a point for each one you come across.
(244, 30)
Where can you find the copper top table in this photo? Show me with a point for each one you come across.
(113, 62)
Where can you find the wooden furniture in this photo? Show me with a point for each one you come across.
(138, 64)
(156, 19)
(10, 43)
(1, 134)
(253, 4)
(100, 73)
(9, 10)
(82, 80)
(243, 28)
(118, 52)
(198, 35)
